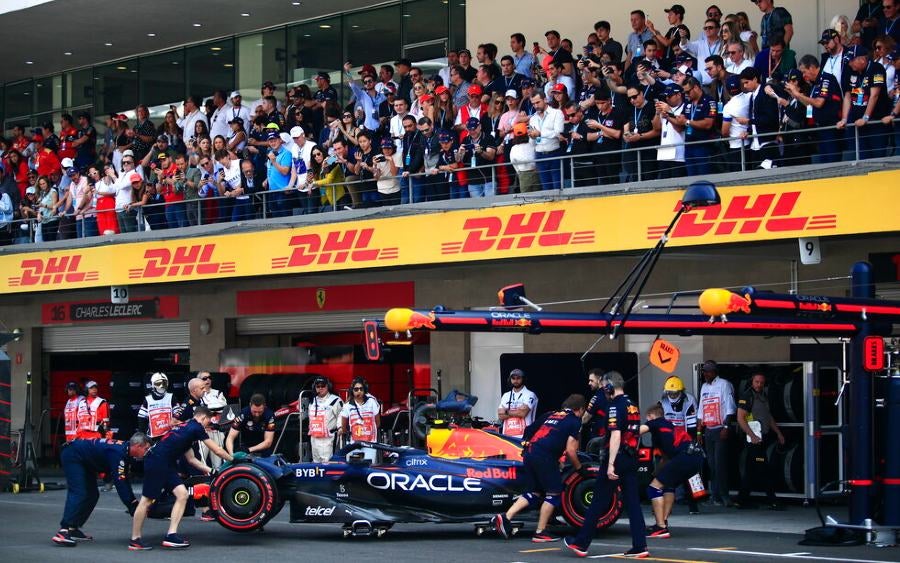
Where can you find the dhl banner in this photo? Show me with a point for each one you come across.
(837, 206)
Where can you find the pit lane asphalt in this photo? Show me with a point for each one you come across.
(28, 520)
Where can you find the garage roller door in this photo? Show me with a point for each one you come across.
(288, 324)
(102, 338)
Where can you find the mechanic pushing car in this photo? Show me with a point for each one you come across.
(160, 475)
(623, 428)
(255, 426)
(545, 441)
(683, 460)
(324, 414)
(82, 460)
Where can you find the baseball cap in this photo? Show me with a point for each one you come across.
(518, 372)
(733, 84)
(526, 83)
(128, 152)
(511, 93)
(368, 69)
(121, 117)
(297, 131)
(602, 94)
(273, 126)
(426, 98)
(29, 189)
(323, 76)
(268, 84)
(683, 58)
(162, 156)
(673, 89)
(90, 384)
(466, 51)
(558, 87)
(520, 129)
(857, 51)
(239, 120)
(710, 365)
(404, 62)
(441, 89)
(475, 90)
(162, 138)
(272, 135)
(828, 35)
(37, 138)
(387, 143)
(72, 385)
(135, 177)
(677, 8)
(445, 137)
(235, 94)
(472, 123)
(793, 74)
(389, 88)
(320, 381)
(67, 162)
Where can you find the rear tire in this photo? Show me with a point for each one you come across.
(576, 499)
(244, 497)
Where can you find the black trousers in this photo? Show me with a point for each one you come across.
(759, 473)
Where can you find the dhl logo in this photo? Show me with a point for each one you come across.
(182, 261)
(336, 247)
(520, 231)
(52, 271)
(746, 215)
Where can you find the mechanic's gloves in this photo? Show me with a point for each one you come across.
(240, 456)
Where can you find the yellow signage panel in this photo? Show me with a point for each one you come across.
(837, 206)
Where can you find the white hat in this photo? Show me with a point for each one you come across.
(30, 190)
(129, 152)
(90, 384)
(297, 132)
(68, 162)
(511, 93)
(234, 94)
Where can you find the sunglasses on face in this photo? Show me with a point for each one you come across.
(570, 115)
(357, 389)
(321, 385)
(708, 27)
(127, 162)
(368, 82)
(634, 97)
(205, 378)
(204, 163)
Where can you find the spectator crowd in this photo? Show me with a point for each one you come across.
(665, 102)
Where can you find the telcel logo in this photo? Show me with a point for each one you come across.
(744, 214)
(440, 483)
(319, 511)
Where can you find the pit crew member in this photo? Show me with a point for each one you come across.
(255, 426)
(160, 474)
(82, 460)
(623, 428)
(544, 443)
(680, 408)
(597, 407)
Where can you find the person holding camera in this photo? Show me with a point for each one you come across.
(477, 150)
(386, 167)
(604, 124)
(675, 16)
(575, 136)
(670, 154)
(641, 131)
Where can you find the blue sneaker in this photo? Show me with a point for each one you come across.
(138, 545)
(569, 542)
(174, 541)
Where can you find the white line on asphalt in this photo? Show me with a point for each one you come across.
(788, 555)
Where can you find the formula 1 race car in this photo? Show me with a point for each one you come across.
(405, 485)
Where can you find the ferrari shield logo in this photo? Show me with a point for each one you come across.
(320, 297)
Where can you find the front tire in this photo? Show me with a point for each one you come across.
(244, 497)
(577, 497)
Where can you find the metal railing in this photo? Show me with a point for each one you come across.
(631, 164)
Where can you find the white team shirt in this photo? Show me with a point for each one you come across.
(716, 402)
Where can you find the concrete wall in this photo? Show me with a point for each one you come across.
(548, 280)
(495, 20)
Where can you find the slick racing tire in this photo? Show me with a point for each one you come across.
(576, 499)
(244, 497)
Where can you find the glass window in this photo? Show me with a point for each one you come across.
(373, 36)
(424, 21)
(162, 78)
(48, 93)
(19, 99)
(80, 91)
(458, 24)
(313, 47)
(210, 67)
(116, 85)
(261, 57)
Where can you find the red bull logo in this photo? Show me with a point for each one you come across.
(718, 302)
(491, 473)
(402, 319)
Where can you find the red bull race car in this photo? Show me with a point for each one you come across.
(404, 485)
